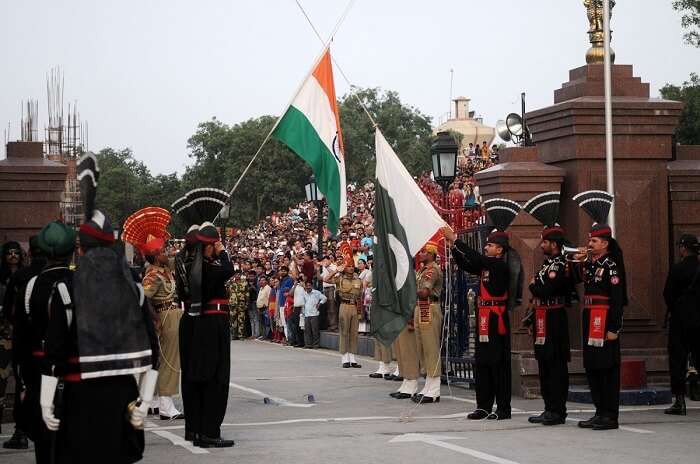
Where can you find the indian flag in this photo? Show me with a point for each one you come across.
(311, 129)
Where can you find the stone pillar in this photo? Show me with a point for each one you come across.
(684, 189)
(571, 135)
(519, 177)
(30, 191)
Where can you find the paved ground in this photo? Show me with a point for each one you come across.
(353, 420)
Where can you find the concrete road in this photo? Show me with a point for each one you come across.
(353, 420)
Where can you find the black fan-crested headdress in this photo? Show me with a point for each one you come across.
(501, 212)
(200, 205)
(97, 229)
(545, 208)
(597, 204)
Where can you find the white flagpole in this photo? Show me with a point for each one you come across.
(607, 65)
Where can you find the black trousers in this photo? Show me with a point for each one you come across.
(681, 343)
(296, 337)
(186, 387)
(605, 390)
(208, 407)
(554, 384)
(312, 336)
(493, 382)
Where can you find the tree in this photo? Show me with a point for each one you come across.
(688, 130)
(690, 19)
(407, 130)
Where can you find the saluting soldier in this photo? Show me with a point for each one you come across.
(500, 286)
(550, 289)
(605, 295)
(428, 323)
(349, 288)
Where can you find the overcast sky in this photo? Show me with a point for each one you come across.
(146, 72)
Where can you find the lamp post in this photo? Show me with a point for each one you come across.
(314, 194)
(443, 152)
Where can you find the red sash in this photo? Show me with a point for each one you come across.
(597, 319)
(489, 304)
(541, 323)
(425, 317)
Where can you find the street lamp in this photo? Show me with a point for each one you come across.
(444, 154)
(314, 194)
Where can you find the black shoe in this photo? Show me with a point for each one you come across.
(605, 423)
(206, 442)
(588, 424)
(397, 378)
(499, 415)
(422, 399)
(536, 419)
(346, 365)
(175, 417)
(191, 436)
(678, 407)
(18, 441)
(355, 365)
(388, 376)
(376, 375)
(478, 415)
(153, 411)
(553, 418)
(400, 396)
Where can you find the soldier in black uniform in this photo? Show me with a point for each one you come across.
(31, 309)
(605, 295)
(501, 273)
(682, 293)
(205, 335)
(550, 290)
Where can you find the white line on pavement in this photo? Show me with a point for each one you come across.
(179, 441)
(438, 440)
(280, 401)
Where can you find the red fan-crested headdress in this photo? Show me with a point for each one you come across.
(146, 229)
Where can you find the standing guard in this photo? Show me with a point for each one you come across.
(550, 289)
(602, 270)
(501, 286)
(428, 323)
(206, 350)
(146, 229)
(349, 288)
(100, 339)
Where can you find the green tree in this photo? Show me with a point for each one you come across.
(407, 130)
(690, 19)
(688, 130)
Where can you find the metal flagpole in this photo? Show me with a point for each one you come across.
(607, 65)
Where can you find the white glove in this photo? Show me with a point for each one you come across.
(139, 409)
(48, 391)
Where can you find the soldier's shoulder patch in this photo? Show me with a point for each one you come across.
(552, 274)
(615, 280)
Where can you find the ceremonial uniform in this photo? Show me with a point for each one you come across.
(238, 303)
(550, 290)
(159, 287)
(406, 351)
(492, 374)
(428, 323)
(350, 291)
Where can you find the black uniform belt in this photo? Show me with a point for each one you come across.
(343, 300)
(492, 302)
(216, 307)
(432, 299)
(596, 300)
(160, 307)
(556, 301)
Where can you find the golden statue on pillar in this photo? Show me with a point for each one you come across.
(594, 8)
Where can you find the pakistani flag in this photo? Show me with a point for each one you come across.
(311, 128)
(404, 220)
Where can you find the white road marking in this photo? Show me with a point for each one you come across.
(439, 440)
(179, 441)
(280, 401)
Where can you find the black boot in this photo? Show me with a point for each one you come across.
(678, 407)
(18, 441)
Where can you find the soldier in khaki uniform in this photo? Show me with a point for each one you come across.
(349, 288)
(428, 323)
(238, 303)
(160, 289)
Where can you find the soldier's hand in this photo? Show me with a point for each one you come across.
(529, 330)
(219, 247)
(449, 234)
(612, 336)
